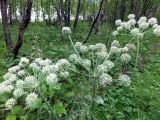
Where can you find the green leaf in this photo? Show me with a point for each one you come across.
(17, 110)
(59, 108)
(70, 94)
(11, 117)
(23, 117)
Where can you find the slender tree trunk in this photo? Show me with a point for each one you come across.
(132, 6)
(23, 26)
(145, 6)
(123, 9)
(42, 9)
(68, 12)
(10, 12)
(152, 12)
(58, 7)
(77, 14)
(100, 18)
(115, 14)
(94, 22)
(5, 23)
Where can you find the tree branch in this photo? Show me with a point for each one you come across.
(25, 21)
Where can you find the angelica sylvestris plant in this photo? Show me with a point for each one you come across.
(99, 65)
(33, 84)
(137, 29)
(99, 62)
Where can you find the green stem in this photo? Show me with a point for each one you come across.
(73, 45)
(48, 105)
(137, 54)
(93, 99)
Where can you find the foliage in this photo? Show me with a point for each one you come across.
(140, 101)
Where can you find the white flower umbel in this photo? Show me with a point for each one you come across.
(10, 103)
(9, 88)
(115, 33)
(63, 64)
(124, 49)
(64, 74)
(125, 58)
(14, 69)
(135, 32)
(52, 79)
(131, 16)
(21, 73)
(102, 55)
(131, 22)
(78, 45)
(118, 22)
(84, 49)
(75, 58)
(34, 66)
(108, 64)
(124, 80)
(115, 43)
(152, 21)
(86, 63)
(142, 19)
(120, 28)
(20, 84)
(105, 79)
(24, 60)
(100, 47)
(31, 99)
(66, 30)
(130, 46)
(156, 31)
(31, 82)
(114, 50)
(143, 25)
(18, 92)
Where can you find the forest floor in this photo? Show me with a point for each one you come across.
(144, 92)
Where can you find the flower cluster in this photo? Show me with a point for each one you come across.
(137, 28)
(25, 80)
(99, 61)
(66, 30)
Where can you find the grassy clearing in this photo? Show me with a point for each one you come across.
(140, 102)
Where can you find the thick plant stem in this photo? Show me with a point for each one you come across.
(48, 105)
(137, 54)
(93, 99)
(73, 45)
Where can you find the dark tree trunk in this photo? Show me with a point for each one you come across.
(24, 24)
(67, 12)
(10, 12)
(94, 22)
(62, 9)
(152, 12)
(100, 18)
(58, 7)
(77, 14)
(5, 23)
(115, 11)
(145, 6)
(42, 8)
(123, 9)
(103, 11)
(132, 10)
(135, 8)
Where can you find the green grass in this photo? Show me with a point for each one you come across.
(140, 102)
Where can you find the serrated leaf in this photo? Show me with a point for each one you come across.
(59, 108)
(11, 117)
